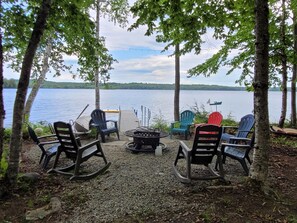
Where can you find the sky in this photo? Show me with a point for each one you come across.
(140, 59)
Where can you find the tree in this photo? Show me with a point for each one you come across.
(294, 71)
(70, 31)
(259, 169)
(283, 58)
(117, 12)
(2, 111)
(15, 140)
(166, 19)
(39, 81)
(238, 51)
(177, 83)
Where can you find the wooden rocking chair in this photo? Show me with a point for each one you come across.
(73, 149)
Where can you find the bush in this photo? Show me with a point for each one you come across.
(160, 123)
(7, 135)
(3, 161)
(229, 121)
(201, 115)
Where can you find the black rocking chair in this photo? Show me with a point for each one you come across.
(205, 147)
(73, 149)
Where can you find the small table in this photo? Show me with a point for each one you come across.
(145, 139)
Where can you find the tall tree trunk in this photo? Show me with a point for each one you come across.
(259, 169)
(294, 76)
(97, 72)
(40, 80)
(284, 68)
(16, 136)
(2, 111)
(177, 83)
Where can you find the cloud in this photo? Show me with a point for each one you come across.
(140, 58)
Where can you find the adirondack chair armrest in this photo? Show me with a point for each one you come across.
(115, 123)
(243, 146)
(245, 131)
(175, 124)
(111, 121)
(240, 139)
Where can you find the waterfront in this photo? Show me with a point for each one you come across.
(66, 104)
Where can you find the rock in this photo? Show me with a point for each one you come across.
(30, 177)
(41, 213)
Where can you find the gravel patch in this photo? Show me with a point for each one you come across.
(137, 184)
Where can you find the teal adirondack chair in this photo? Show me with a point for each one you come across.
(183, 126)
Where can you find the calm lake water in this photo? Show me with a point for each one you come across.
(66, 104)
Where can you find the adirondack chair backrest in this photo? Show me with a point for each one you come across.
(215, 118)
(67, 139)
(206, 142)
(33, 135)
(99, 118)
(186, 118)
(245, 125)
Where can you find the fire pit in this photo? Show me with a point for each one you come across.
(145, 139)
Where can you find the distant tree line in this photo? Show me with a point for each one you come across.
(12, 83)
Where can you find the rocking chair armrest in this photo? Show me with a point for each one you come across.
(49, 142)
(47, 136)
(84, 147)
(184, 146)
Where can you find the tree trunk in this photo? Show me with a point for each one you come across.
(15, 140)
(294, 76)
(177, 83)
(284, 69)
(2, 111)
(97, 72)
(36, 86)
(259, 169)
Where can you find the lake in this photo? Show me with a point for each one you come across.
(66, 104)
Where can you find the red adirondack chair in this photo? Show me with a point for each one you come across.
(215, 118)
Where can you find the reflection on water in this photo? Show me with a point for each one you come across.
(66, 104)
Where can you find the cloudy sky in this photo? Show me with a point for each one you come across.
(140, 59)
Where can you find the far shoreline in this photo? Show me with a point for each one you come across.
(131, 86)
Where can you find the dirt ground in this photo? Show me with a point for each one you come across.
(236, 203)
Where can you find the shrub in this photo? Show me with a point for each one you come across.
(160, 123)
(4, 161)
(7, 135)
(201, 115)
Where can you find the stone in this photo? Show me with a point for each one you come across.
(42, 212)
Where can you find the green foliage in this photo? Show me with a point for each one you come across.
(201, 115)
(10, 83)
(283, 141)
(133, 85)
(4, 161)
(7, 135)
(160, 123)
(229, 121)
(70, 30)
(42, 125)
